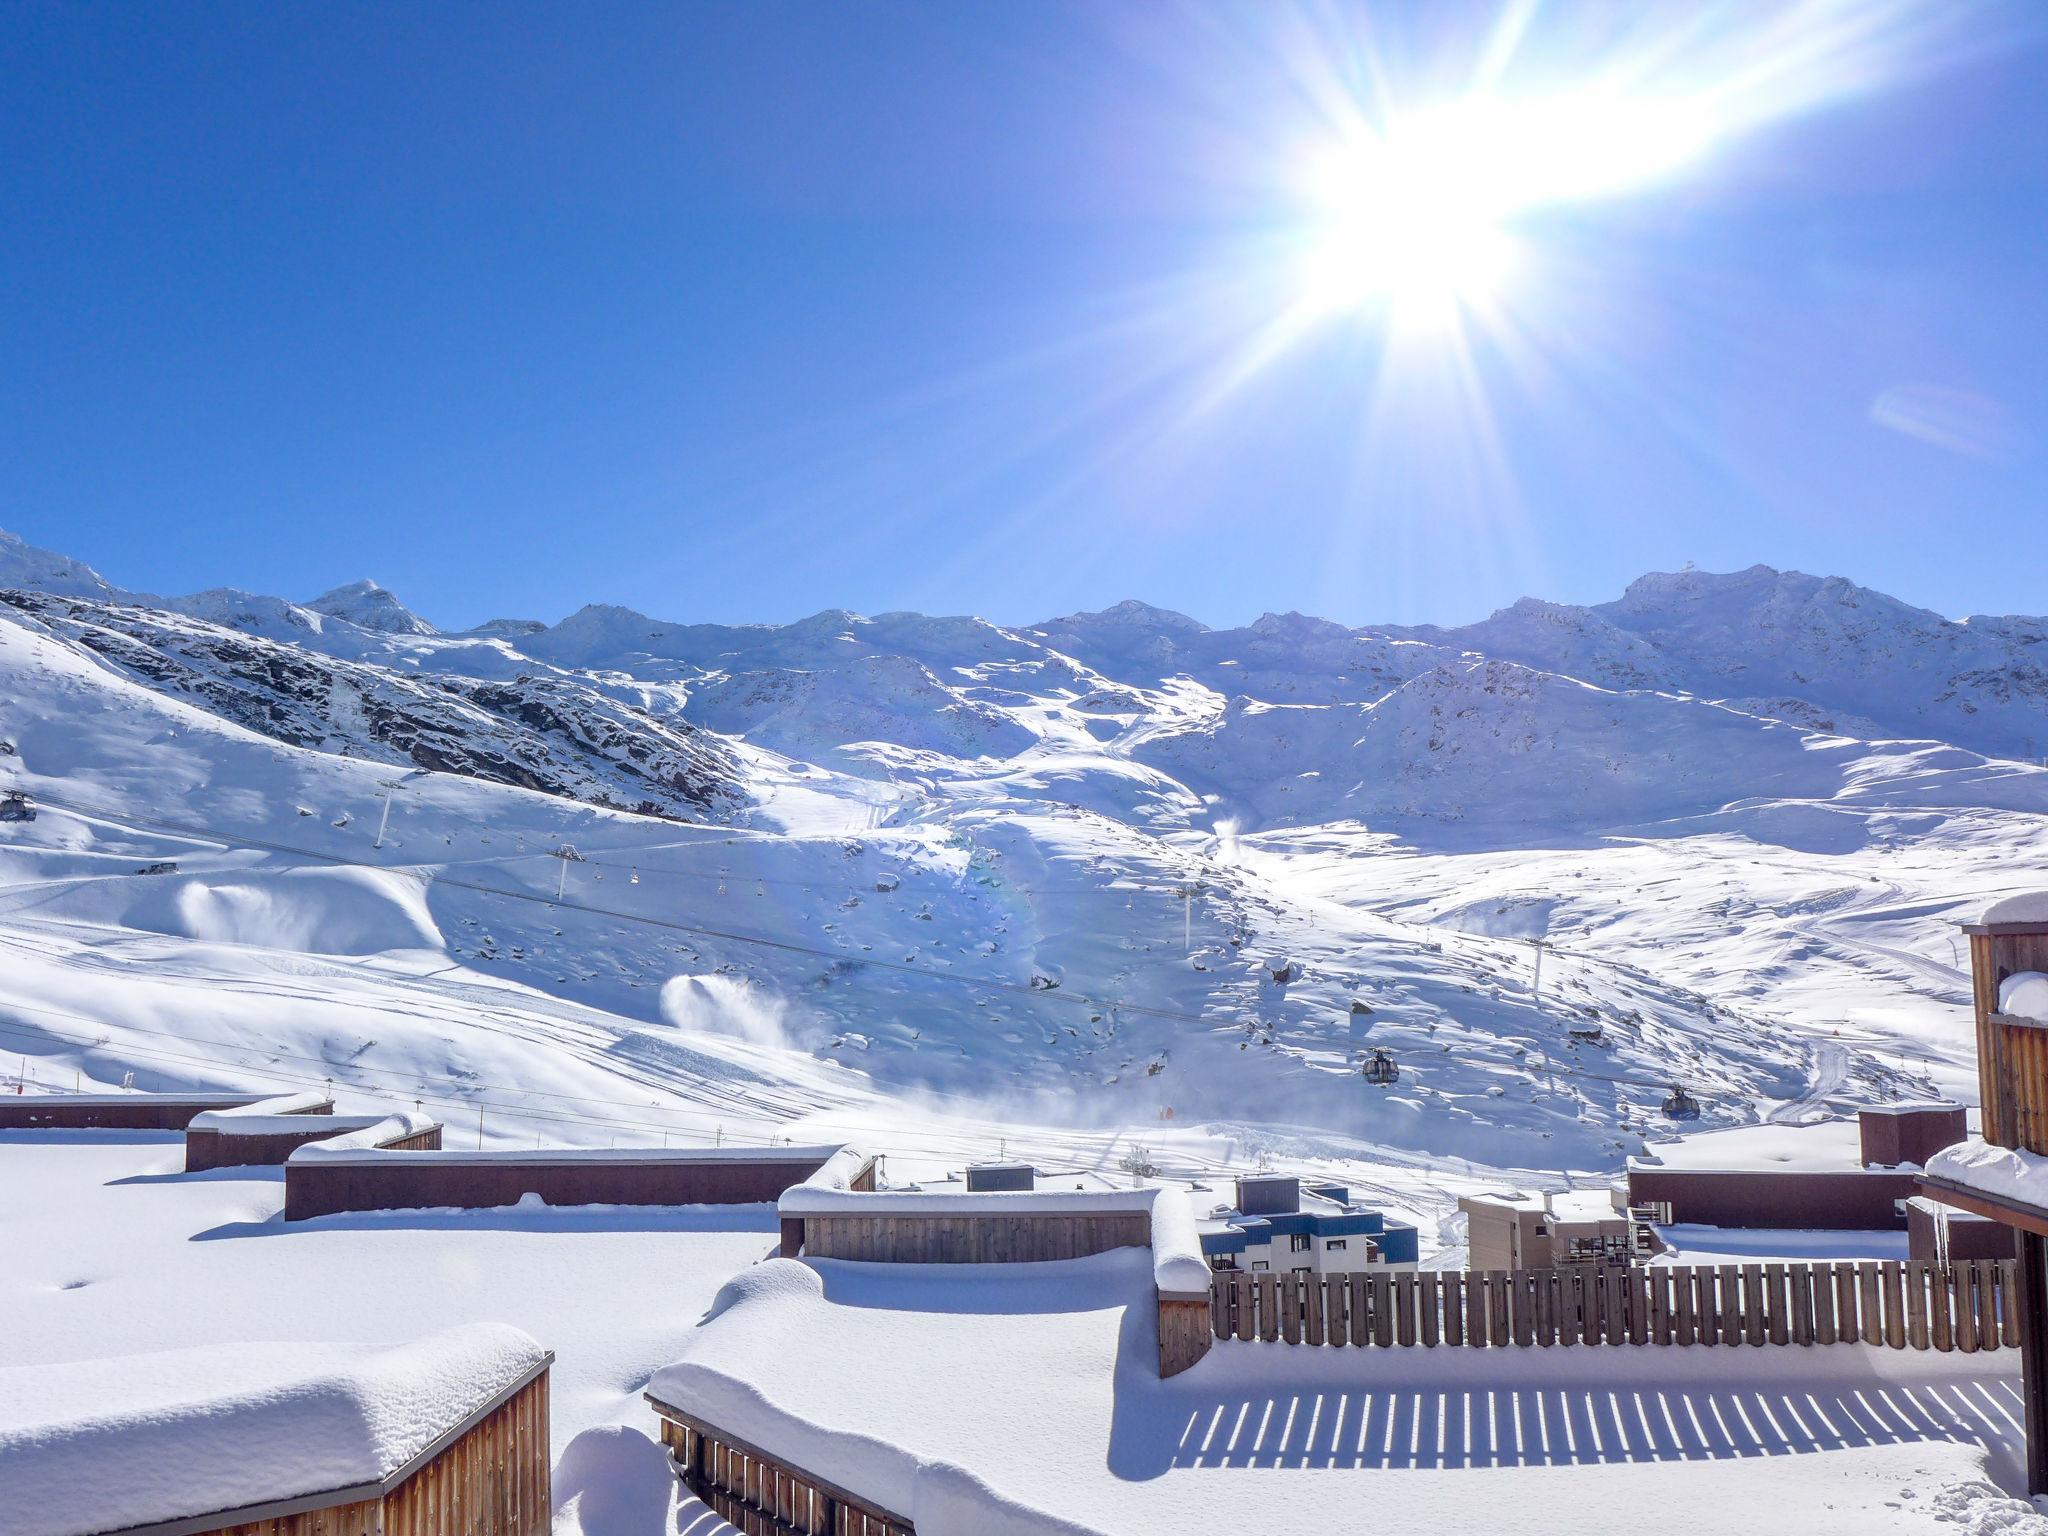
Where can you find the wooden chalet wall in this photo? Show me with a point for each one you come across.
(138, 1112)
(2012, 1054)
(328, 1186)
(1843, 1200)
(760, 1495)
(497, 1478)
(923, 1238)
(218, 1149)
(493, 1479)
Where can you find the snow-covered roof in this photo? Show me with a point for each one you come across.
(363, 1134)
(345, 1148)
(140, 1440)
(2031, 907)
(1831, 1146)
(2004, 1174)
(1564, 1204)
(214, 1097)
(1177, 1262)
(236, 1117)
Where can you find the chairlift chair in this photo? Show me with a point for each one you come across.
(1681, 1105)
(1382, 1069)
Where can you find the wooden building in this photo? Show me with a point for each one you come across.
(113, 1111)
(1830, 1176)
(269, 1440)
(324, 1179)
(2004, 1175)
(265, 1134)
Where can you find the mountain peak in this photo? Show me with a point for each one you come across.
(368, 606)
(1133, 614)
(24, 566)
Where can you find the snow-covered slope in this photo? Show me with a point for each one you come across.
(544, 732)
(1111, 871)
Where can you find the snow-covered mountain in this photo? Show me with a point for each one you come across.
(1821, 651)
(538, 730)
(1108, 870)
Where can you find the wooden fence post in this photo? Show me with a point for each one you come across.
(1917, 1319)
(1454, 1308)
(1522, 1306)
(1866, 1292)
(1969, 1336)
(1894, 1309)
(1432, 1308)
(1777, 1303)
(1635, 1289)
(1987, 1303)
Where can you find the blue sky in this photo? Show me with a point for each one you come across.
(742, 311)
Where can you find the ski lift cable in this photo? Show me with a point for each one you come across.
(1119, 885)
(1064, 995)
(380, 1084)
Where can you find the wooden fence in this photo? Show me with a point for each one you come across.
(1963, 1306)
(760, 1495)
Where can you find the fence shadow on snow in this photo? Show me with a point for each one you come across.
(1521, 1427)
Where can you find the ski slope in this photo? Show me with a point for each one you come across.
(1111, 889)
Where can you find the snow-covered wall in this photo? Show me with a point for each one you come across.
(103, 1445)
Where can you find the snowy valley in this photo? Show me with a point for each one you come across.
(1110, 882)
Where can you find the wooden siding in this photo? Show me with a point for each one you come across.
(1185, 1331)
(494, 1479)
(214, 1149)
(1965, 1307)
(760, 1495)
(144, 1112)
(327, 1187)
(1842, 1200)
(2012, 1054)
(339, 1520)
(1019, 1238)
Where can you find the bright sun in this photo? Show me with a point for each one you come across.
(1421, 215)
(1404, 220)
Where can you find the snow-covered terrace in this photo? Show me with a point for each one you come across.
(994, 1400)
